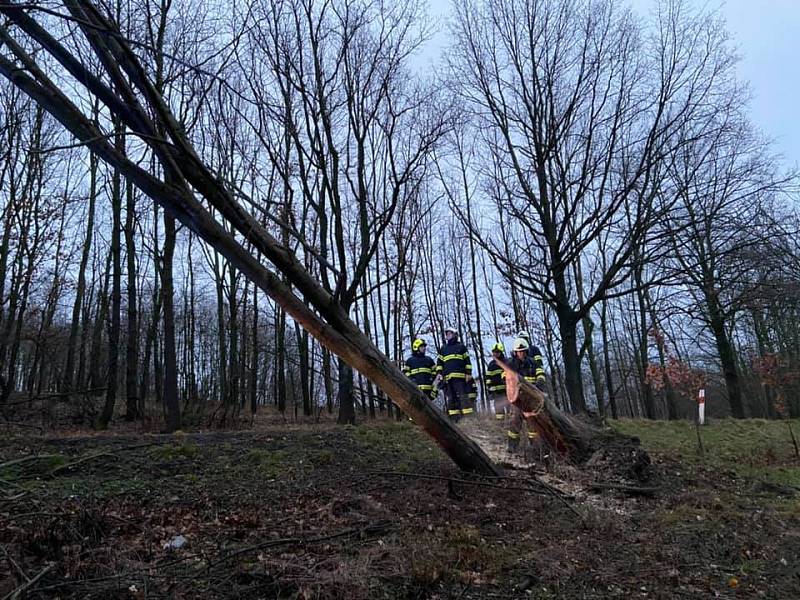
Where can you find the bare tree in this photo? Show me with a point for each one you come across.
(725, 185)
(336, 80)
(579, 109)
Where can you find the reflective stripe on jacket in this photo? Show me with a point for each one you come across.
(525, 367)
(453, 361)
(421, 370)
(495, 382)
(536, 356)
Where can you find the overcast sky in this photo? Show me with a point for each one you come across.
(767, 35)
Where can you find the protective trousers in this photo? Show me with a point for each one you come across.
(501, 405)
(515, 430)
(457, 390)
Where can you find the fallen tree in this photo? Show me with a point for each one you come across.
(133, 100)
(579, 438)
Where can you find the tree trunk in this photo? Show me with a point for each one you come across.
(762, 343)
(222, 346)
(302, 351)
(173, 421)
(116, 290)
(597, 381)
(347, 409)
(95, 352)
(80, 291)
(327, 379)
(280, 360)
(669, 391)
(572, 362)
(132, 342)
(149, 347)
(38, 369)
(254, 356)
(234, 383)
(612, 400)
(191, 320)
(477, 343)
(727, 359)
(647, 389)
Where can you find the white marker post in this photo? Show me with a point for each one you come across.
(701, 406)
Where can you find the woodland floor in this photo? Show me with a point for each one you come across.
(375, 511)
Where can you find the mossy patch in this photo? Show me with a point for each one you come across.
(321, 458)
(402, 441)
(458, 552)
(758, 455)
(167, 452)
(788, 508)
(31, 467)
(268, 463)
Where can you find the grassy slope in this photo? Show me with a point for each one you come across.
(753, 448)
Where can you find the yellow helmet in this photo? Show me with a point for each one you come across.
(417, 344)
(498, 347)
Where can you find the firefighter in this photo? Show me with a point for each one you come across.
(496, 383)
(527, 368)
(420, 368)
(454, 370)
(536, 355)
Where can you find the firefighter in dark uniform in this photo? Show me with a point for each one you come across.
(454, 368)
(531, 371)
(536, 356)
(496, 383)
(421, 369)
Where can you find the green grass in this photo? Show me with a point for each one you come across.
(754, 448)
(168, 452)
(268, 463)
(400, 436)
(32, 467)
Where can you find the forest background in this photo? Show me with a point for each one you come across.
(584, 170)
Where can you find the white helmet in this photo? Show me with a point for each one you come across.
(524, 335)
(520, 344)
(450, 328)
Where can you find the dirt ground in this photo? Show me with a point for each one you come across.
(375, 511)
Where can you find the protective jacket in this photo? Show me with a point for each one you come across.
(495, 382)
(421, 370)
(453, 361)
(531, 369)
(536, 356)
(525, 367)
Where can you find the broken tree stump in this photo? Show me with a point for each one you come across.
(579, 438)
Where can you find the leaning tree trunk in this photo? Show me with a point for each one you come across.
(574, 437)
(331, 325)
